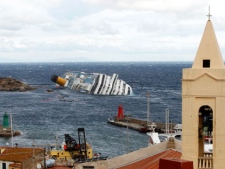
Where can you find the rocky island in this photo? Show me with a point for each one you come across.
(10, 84)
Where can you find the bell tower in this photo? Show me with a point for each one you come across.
(203, 105)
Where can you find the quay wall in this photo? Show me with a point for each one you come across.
(136, 123)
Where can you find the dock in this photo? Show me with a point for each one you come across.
(141, 125)
(6, 130)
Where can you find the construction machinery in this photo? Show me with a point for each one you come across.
(71, 149)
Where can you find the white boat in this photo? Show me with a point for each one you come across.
(93, 83)
(156, 138)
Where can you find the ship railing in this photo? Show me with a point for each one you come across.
(206, 162)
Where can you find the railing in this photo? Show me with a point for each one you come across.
(206, 162)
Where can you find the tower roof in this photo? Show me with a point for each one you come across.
(208, 54)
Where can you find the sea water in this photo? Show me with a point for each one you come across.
(43, 116)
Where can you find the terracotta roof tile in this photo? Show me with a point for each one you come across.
(18, 154)
(153, 161)
(15, 165)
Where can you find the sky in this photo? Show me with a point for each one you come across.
(106, 30)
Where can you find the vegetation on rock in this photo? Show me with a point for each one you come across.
(10, 84)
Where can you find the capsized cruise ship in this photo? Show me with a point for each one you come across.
(93, 83)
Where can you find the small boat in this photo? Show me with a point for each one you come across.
(93, 83)
(156, 138)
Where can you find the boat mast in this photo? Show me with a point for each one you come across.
(128, 149)
(11, 127)
(167, 121)
(148, 108)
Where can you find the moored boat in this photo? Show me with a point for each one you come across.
(156, 138)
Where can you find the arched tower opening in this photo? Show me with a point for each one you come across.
(205, 131)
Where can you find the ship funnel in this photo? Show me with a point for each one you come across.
(59, 80)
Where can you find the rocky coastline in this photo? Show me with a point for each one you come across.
(10, 84)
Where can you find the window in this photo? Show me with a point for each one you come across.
(3, 165)
(88, 167)
(206, 63)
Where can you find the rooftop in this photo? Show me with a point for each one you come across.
(18, 154)
(153, 161)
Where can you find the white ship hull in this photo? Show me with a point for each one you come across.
(93, 83)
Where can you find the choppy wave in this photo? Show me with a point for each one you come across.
(42, 115)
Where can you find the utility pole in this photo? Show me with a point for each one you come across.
(44, 158)
(35, 157)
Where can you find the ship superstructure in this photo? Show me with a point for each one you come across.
(93, 83)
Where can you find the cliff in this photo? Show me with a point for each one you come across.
(10, 84)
